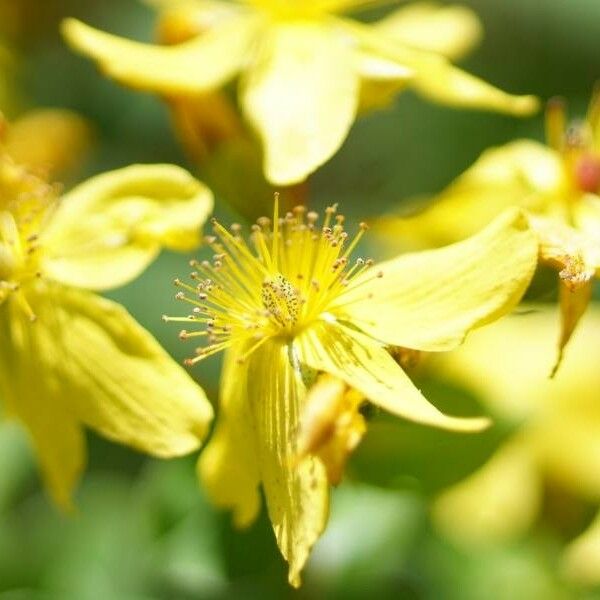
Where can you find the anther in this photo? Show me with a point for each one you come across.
(263, 222)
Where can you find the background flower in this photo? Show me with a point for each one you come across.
(68, 357)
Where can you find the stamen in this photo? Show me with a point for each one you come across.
(291, 274)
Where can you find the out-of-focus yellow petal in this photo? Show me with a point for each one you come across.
(380, 80)
(507, 365)
(451, 31)
(567, 444)
(496, 503)
(204, 123)
(228, 467)
(581, 559)
(182, 20)
(573, 304)
(437, 79)
(31, 393)
(199, 65)
(114, 376)
(430, 300)
(107, 230)
(296, 492)
(52, 141)
(522, 173)
(442, 82)
(301, 94)
(586, 216)
(365, 366)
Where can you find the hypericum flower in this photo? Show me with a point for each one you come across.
(294, 304)
(70, 358)
(303, 66)
(558, 186)
(555, 445)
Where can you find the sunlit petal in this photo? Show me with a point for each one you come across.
(107, 230)
(301, 94)
(296, 492)
(113, 375)
(431, 300)
(367, 367)
(199, 65)
(451, 31)
(31, 392)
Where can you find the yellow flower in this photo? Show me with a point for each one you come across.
(69, 358)
(557, 437)
(303, 66)
(64, 145)
(558, 186)
(296, 306)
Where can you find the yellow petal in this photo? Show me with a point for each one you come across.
(586, 218)
(199, 65)
(581, 559)
(296, 492)
(430, 300)
(52, 141)
(31, 393)
(507, 365)
(380, 80)
(495, 504)
(522, 173)
(107, 230)
(573, 303)
(301, 95)
(442, 82)
(228, 466)
(437, 79)
(114, 376)
(365, 366)
(451, 31)
(573, 463)
(576, 254)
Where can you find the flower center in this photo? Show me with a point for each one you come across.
(281, 299)
(285, 279)
(25, 201)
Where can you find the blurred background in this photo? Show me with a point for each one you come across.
(143, 529)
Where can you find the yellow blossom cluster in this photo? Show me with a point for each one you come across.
(311, 330)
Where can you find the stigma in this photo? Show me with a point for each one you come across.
(274, 283)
